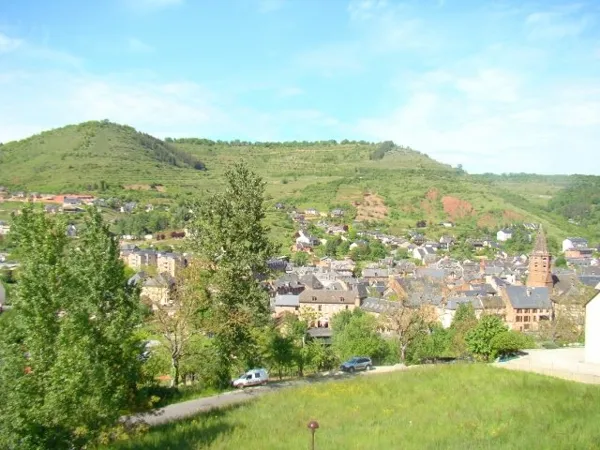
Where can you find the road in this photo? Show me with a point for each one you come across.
(189, 408)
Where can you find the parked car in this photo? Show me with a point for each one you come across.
(357, 363)
(254, 377)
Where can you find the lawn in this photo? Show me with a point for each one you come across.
(452, 407)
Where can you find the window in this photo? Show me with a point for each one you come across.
(296, 308)
(535, 318)
(314, 299)
(526, 326)
(519, 319)
(526, 319)
(320, 307)
(341, 299)
(527, 311)
(346, 306)
(256, 374)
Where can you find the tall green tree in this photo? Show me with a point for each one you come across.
(233, 248)
(70, 360)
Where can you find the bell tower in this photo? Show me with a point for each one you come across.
(540, 263)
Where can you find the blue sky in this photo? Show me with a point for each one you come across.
(496, 86)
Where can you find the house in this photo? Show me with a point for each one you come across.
(149, 208)
(71, 231)
(311, 212)
(337, 212)
(579, 252)
(142, 258)
(4, 228)
(307, 239)
(279, 206)
(170, 263)
(574, 242)
(592, 330)
(286, 303)
(128, 207)
(72, 204)
(504, 234)
(446, 224)
(423, 253)
(51, 209)
(526, 306)
(337, 229)
(446, 242)
(328, 302)
(156, 291)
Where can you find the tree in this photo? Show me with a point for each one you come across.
(406, 323)
(300, 258)
(359, 337)
(232, 246)
(180, 319)
(479, 339)
(463, 321)
(560, 261)
(71, 358)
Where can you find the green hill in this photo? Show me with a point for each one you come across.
(81, 156)
(390, 186)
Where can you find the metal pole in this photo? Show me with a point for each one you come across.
(313, 439)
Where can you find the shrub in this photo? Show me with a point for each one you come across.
(509, 341)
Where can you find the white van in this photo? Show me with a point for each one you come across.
(254, 377)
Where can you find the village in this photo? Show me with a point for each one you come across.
(524, 290)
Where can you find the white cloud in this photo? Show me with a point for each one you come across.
(267, 6)
(558, 23)
(8, 44)
(545, 132)
(490, 85)
(137, 46)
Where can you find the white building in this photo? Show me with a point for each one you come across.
(574, 242)
(504, 235)
(4, 228)
(592, 329)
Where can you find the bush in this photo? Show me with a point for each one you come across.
(509, 342)
(479, 339)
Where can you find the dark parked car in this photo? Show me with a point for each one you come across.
(357, 363)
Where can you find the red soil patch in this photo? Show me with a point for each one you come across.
(456, 208)
(512, 215)
(371, 207)
(487, 220)
(432, 194)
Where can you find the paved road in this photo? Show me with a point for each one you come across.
(192, 407)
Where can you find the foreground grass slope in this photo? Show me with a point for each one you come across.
(453, 407)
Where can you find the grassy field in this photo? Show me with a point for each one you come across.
(452, 407)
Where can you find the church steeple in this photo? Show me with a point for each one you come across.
(540, 263)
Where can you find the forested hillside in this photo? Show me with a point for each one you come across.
(387, 186)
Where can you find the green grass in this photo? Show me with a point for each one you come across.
(452, 407)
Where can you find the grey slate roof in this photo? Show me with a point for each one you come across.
(287, 300)
(529, 297)
(378, 305)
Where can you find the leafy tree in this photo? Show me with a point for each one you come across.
(561, 261)
(479, 339)
(71, 358)
(435, 343)
(300, 258)
(233, 247)
(407, 324)
(179, 320)
(359, 337)
(464, 320)
(508, 342)
(331, 246)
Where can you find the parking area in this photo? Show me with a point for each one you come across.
(567, 363)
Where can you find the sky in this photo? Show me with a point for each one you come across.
(498, 86)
